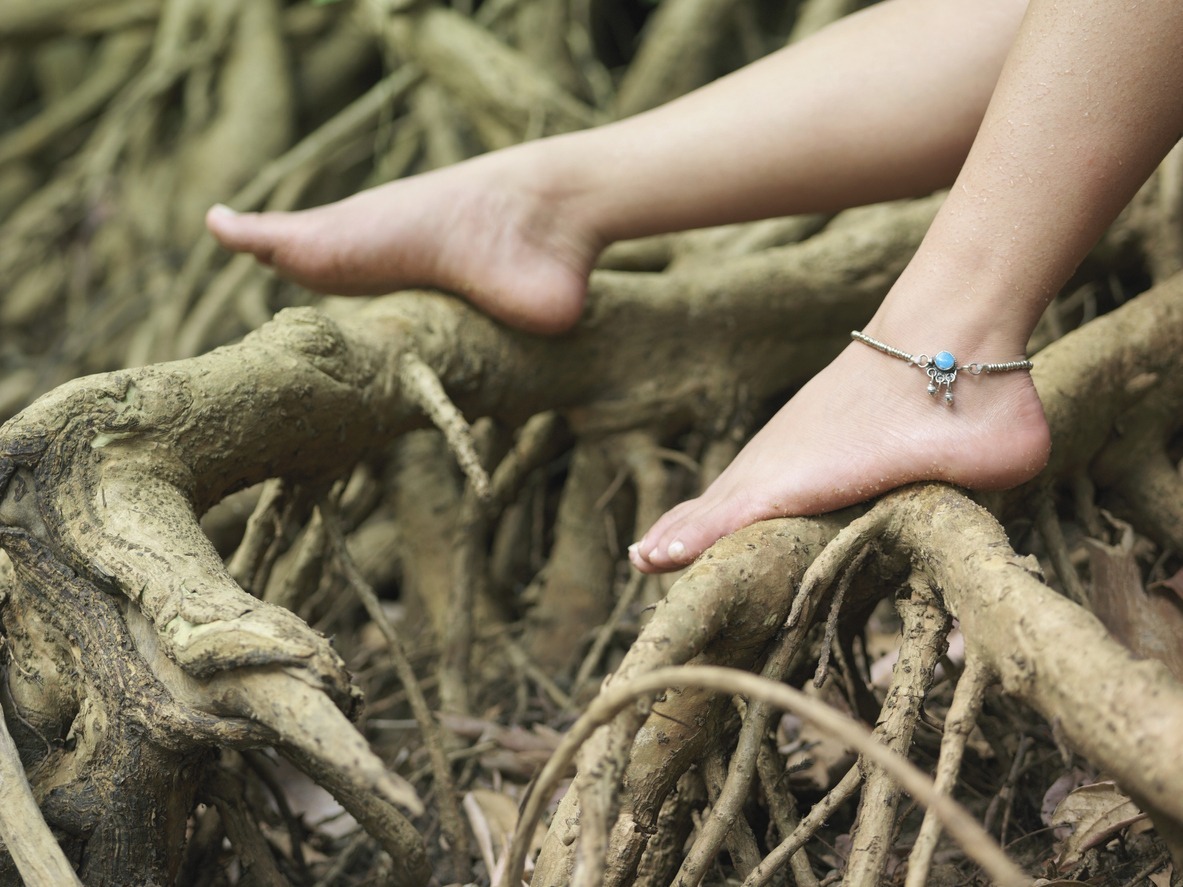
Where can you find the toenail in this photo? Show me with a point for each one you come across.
(221, 209)
(676, 551)
(634, 550)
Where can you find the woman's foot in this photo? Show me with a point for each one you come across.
(497, 230)
(861, 427)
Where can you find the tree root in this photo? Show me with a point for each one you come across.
(614, 700)
(37, 855)
(135, 654)
(924, 631)
(962, 717)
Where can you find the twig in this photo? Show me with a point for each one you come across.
(959, 723)
(605, 632)
(520, 660)
(977, 844)
(1148, 870)
(450, 819)
(1006, 794)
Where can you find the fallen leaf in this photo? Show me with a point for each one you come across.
(1147, 622)
(1098, 812)
(1163, 878)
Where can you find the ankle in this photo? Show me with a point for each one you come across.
(927, 312)
(962, 296)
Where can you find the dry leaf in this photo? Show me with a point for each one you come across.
(1147, 622)
(1162, 878)
(1098, 812)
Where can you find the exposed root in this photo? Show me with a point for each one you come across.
(452, 824)
(782, 806)
(134, 653)
(506, 96)
(615, 699)
(679, 32)
(38, 856)
(727, 607)
(806, 829)
(924, 632)
(1031, 637)
(739, 839)
(568, 593)
(959, 723)
(243, 832)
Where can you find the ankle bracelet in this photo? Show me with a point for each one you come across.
(942, 368)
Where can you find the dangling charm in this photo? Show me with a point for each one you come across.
(942, 370)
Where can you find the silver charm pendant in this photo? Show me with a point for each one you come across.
(942, 370)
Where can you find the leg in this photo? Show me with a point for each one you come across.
(1087, 105)
(883, 104)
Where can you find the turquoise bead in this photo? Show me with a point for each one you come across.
(944, 361)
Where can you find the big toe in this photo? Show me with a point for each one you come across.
(681, 535)
(256, 233)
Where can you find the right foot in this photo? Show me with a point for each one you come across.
(491, 230)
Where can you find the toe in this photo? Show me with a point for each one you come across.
(677, 538)
(693, 527)
(256, 233)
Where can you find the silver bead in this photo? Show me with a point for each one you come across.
(948, 397)
(932, 388)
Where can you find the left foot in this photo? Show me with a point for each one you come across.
(503, 230)
(863, 426)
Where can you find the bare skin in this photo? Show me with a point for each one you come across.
(885, 104)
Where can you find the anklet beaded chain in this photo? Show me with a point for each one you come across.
(941, 368)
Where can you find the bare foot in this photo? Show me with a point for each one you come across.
(862, 426)
(495, 230)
